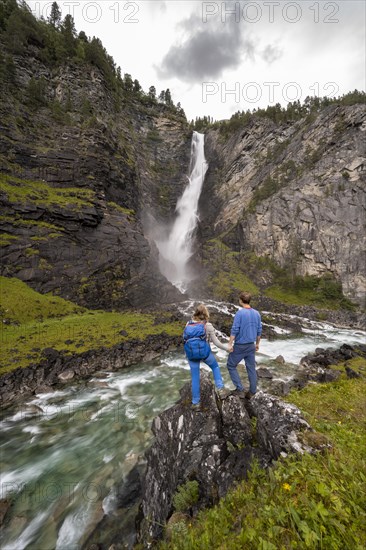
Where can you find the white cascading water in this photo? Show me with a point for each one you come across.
(176, 250)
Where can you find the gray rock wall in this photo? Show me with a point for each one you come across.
(315, 221)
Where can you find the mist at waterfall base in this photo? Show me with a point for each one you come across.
(175, 244)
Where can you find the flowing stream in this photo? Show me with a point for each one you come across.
(63, 454)
(176, 250)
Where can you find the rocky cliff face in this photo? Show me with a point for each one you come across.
(79, 173)
(293, 193)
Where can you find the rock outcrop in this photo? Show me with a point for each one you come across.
(317, 364)
(293, 193)
(324, 365)
(94, 254)
(215, 447)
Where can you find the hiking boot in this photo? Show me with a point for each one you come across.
(223, 393)
(196, 407)
(249, 395)
(239, 393)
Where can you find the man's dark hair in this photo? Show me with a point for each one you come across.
(245, 297)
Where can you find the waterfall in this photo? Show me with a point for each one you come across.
(176, 250)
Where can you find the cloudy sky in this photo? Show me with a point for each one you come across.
(221, 57)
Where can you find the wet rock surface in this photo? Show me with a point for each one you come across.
(325, 357)
(4, 507)
(215, 447)
(262, 372)
(107, 534)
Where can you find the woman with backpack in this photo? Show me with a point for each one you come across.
(197, 335)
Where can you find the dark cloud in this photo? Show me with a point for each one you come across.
(207, 50)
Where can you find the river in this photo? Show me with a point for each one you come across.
(63, 454)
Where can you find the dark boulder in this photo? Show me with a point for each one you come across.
(262, 372)
(5, 504)
(188, 444)
(121, 517)
(352, 373)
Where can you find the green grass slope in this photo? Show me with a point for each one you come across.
(31, 322)
(21, 304)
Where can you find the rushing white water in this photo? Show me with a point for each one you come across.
(176, 250)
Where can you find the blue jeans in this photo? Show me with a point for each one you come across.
(195, 374)
(246, 352)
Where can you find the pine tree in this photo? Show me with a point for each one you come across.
(7, 69)
(10, 70)
(180, 110)
(94, 52)
(127, 83)
(136, 86)
(55, 15)
(168, 97)
(22, 28)
(69, 34)
(83, 37)
(36, 92)
(152, 92)
(6, 9)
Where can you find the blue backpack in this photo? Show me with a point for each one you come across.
(195, 343)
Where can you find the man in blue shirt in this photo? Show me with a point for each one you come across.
(244, 342)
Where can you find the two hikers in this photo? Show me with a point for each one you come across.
(244, 342)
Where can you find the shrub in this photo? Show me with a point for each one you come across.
(186, 496)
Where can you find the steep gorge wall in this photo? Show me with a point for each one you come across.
(294, 193)
(125, 160)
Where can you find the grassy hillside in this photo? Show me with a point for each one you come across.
(21, 304)
(31, 322)
(315, 502)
